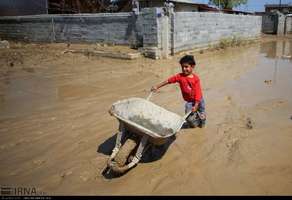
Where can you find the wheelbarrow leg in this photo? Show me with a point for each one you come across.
(111, 166)
(139, 152)
(134, 161)
(118, 145)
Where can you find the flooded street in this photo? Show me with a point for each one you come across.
(56, 133)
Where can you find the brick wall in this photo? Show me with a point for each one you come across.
(116, 28)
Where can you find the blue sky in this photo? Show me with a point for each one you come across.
(253, 5)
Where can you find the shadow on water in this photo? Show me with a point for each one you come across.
(107, 146)
(154, 152)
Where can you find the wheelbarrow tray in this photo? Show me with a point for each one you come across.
(147, 117)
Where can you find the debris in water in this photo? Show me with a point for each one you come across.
(28, 69)
(268, 81)
(249, 123)
(4, 44)
(286, 56)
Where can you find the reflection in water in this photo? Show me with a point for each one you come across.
(270, 79)
(277, 49)
(275, 71)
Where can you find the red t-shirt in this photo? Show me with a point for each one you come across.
(190, 87)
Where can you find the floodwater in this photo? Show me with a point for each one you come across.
(56, 133)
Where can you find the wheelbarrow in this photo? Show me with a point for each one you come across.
(141, 125)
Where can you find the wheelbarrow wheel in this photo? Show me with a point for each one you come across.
(125, 151)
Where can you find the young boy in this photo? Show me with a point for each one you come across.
(190, 88)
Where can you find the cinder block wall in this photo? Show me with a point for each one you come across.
(289, 25)
(117, 28)
(281, 23)
(194, 29)
(157, 33)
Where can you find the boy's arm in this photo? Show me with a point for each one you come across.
(155, 88)
(198, 95)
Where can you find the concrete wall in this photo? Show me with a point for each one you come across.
(281, 24)
(197, 29)
(74, 28)
(118, 28)
(157, 32)
(284, 24)
(289, 25)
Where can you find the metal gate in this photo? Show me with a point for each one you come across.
(270, 23)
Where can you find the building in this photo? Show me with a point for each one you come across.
(179, 5)
(189, 6)
(283, 8)
(32, 7)
(36, 7)
(277, 19)
(23, 7)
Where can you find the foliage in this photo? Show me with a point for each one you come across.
(233, 41)
(227, 4)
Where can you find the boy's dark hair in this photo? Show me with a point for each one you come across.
(189, 59)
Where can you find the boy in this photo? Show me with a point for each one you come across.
(191, 90)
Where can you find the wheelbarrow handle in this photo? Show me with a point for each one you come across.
(187, 114)
(149, 96)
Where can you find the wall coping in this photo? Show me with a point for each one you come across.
(43, 16)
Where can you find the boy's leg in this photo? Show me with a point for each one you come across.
(188, 107)
(192, 120)
(202, 113)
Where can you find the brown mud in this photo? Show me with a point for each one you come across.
(56, 134)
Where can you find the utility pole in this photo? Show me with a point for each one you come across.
(135, 7)
(47, 6)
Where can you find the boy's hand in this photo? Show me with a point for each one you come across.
(154, 89)
(195, 109)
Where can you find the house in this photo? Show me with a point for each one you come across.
(277, 19)
(283, 8)
(36, 7)
(189, 6)
(23, 7)
(179, 5)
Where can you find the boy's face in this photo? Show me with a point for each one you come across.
(187, 69)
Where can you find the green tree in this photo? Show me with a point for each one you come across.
(227, 4)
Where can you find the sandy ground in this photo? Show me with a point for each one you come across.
(56, 133)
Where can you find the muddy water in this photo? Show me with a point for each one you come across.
(271, 77)
(56, 133)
